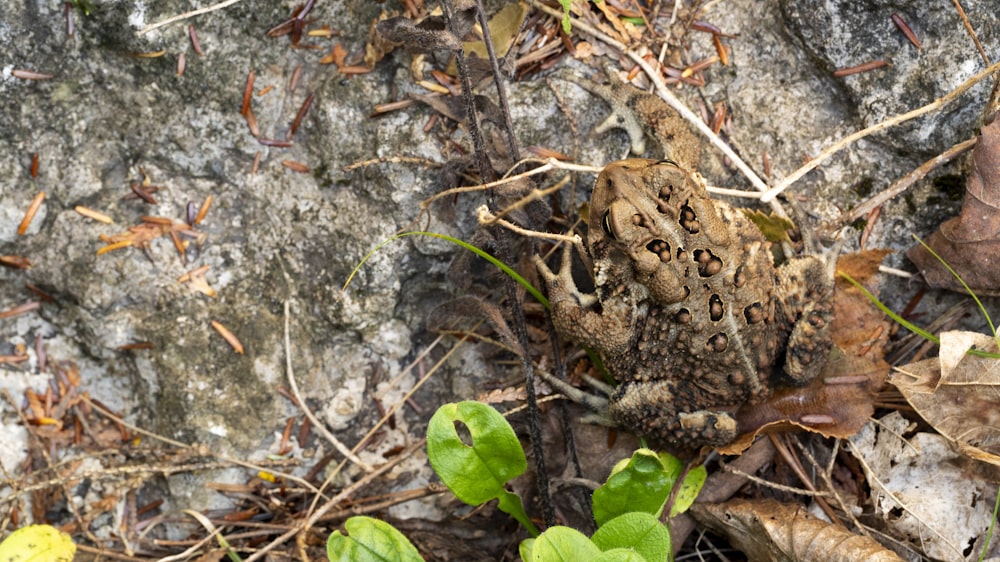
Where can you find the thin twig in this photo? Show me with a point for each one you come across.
(486, 218)
(891, 122)
(902, 184)
(972, 32)
(204, 451)
(187, 15)
(319, 425)
(666, 95)
(346, 492)
(795, 464)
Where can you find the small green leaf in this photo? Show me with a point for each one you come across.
(773, 227)
(637, 531)
(559, 544)
(370, 540)
(565, 19)
(642, 485)
(619, 555)
(524, 549)
(477, 473)
(689, 491)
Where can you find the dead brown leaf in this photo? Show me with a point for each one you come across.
(838, 402)
(958, 394)
(970, 242)
(767, 530)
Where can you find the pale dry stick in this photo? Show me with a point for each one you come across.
(672, 100)
(486, 218)
(824, 475)
(780, 487)
(902, 184)
(836, 147)
(871, 474)
(392, 409)
(187, 15)
(534, 195)
(119, 473)
(346, 492)
(550, 164)
(388, 414)
(971, 32)
(395, 380)
(895, 272)
(198, 450)
(395, 498)
(317, 424)
(212, 529)
(391, 160)
(793, 462)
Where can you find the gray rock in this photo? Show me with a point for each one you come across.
(280, 235)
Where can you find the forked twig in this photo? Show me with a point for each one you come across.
(890, 122)
(666, 95)
(902, 184)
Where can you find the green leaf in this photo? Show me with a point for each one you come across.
(565, 19)
(641, 485)
(477, 473)
(524, 549)
(640, 532)
(38, 543)
(370, 540)
(690, 488)
(619, 555)
(561, 544)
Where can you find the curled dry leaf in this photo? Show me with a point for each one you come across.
(925, 491)
(767, 530)
(838, 402)
(970, 242)
(958, 394)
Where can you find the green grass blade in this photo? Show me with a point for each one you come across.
(481, 253)
(955, 274)
(891, 314)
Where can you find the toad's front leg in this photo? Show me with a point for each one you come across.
(610, 331)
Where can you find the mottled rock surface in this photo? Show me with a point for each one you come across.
(279, 235)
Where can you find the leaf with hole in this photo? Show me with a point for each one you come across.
(476, 472)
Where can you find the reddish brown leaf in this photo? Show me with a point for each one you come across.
(839, 401)
(970, 242)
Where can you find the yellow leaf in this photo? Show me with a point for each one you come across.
(37, 543)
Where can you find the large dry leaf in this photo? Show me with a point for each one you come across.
(970, 242)
(958, 394)
(839, 402)
(926, 492)
(770, 531)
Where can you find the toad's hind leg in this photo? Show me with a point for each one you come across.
(649, 409)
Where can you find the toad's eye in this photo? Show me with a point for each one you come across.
(606, 225)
